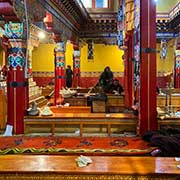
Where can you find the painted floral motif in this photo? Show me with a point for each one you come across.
(59, 63)
(119, 143)
(60, 47)
(84, 142)
(15, 60)
(53, 142)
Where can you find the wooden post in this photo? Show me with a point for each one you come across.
(147, 110)
(59, 59)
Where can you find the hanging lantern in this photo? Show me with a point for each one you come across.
(48, 21)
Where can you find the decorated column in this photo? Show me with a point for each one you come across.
(76, 66)
(16, 82)
(59, 60)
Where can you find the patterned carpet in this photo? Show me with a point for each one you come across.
(74, 145)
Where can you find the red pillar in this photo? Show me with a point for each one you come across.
(76, 66)
(147, 110)
(59, 59)
(128, 73)
(16, 85)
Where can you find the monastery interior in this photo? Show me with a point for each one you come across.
(138, 39)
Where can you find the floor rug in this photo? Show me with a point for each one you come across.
(74, 145)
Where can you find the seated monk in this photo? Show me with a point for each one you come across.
(115, 87)
(106, 78)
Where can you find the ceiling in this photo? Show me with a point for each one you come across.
(165, 5)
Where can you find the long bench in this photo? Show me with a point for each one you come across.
(81, 119)
(20, 167)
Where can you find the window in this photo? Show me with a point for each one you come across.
(87, 3)
(101, 3)
(96, 3)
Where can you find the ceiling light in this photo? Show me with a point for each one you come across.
(41, 35)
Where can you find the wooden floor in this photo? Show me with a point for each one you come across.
(106, 167)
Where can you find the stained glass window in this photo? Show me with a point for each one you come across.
(87, 3)
(101, 3)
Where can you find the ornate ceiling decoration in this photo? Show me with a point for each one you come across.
(71, 20)
(101, 29)
(168, 24)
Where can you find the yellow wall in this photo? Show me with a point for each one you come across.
(43, 57)
(104, 55)
(69, 54)
(166, 5)
(165, 65)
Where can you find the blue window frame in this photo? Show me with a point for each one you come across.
(95, 3)
(101, 3)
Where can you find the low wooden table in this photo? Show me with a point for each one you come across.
(76, 101)
(115, 103)
(161, 100)
(20, 167)
(82, 119)
(168, 121)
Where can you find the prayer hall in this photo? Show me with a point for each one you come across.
(89, 89)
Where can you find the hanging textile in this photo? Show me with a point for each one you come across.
(163, 51)
(90, 50)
